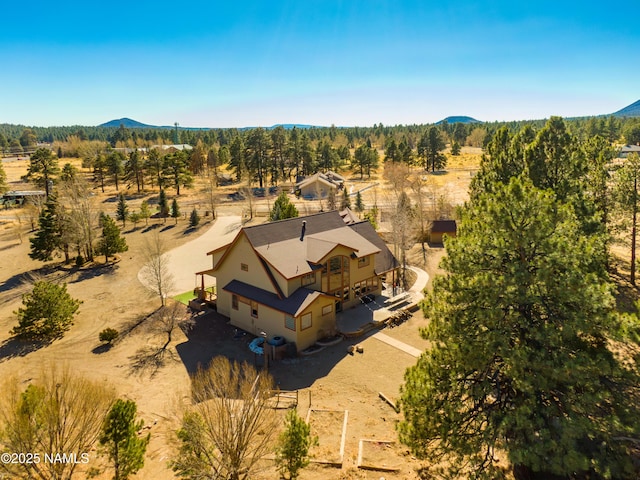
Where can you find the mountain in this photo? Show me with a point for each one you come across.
(459, 119)
(127, 122)
(632, 110)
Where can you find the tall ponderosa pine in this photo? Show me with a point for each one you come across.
(176, 172)
(43, 168)
(111, 242)
(519, 359)
(120, 439)
(430, 149)
(627, 186)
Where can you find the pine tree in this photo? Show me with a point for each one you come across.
(292, 453)
(345, 202)
(455, 148)
(48, 237)
(163, 204)
(43, 167)
(194, 218)
(47, 313)
(627, 187)
(111, 241)
(282, 208)
(519, 358)
(359, 206)
(120, 440)
(145, 212)
(122, 210)
(175, 210)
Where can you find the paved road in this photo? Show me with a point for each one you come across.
(187, 259)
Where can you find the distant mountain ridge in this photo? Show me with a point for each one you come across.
(458, 119)
(632, 110)
(130, 123)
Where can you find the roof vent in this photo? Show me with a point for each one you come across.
(304, 227)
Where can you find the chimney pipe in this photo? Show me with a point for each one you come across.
(304, 227)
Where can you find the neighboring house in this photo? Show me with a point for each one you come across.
(628, 149)
(319, 184)
(439, 228)
(289, 278)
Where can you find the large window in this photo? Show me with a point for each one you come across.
(335, 274)
(254, 309)
(234, 302)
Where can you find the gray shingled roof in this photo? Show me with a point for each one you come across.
(293, 257)
(290, 228)
(293, 305)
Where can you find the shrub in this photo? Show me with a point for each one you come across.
(108, 335)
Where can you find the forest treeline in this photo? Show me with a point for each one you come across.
(616, 129)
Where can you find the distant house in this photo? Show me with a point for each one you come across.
(319, 185)
(289, 278)
(173, 148)
(628, 149)
(440, 228)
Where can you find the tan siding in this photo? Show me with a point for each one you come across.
(321, 325)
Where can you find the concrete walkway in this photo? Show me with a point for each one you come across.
(187, 259)
(397, 344)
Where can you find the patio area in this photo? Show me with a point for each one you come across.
(370, 315)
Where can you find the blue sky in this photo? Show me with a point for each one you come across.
(254, 63)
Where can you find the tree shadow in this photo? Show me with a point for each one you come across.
(21, 278)
(102, 348)
(151, 227)
(149, 360)
(17, 347)
(96, 271)
(168, 227)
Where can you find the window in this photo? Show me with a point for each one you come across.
(309, 279)
(326, 310)
(290, 322)
(305, 321)
(363, 261)
(244, 267)
(254, 309)
(234, 302)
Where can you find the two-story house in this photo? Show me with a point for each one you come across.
(289, 278)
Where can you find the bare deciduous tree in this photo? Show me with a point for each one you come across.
(59, 413)
(155, 273)
(167, 319)
(231, 425)
(81, 218)
(210, 193)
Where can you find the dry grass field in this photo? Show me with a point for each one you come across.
(113, 297)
